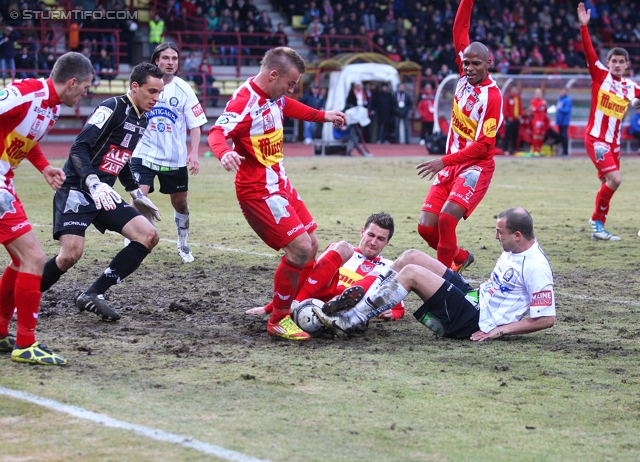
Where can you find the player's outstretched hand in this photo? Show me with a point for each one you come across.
(144, 205)
(583, 14)
(336, 117)
(430, 168)
(54, 176)
(231, 161)
(103, 195)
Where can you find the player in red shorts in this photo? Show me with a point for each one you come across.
(611, 94)
(464, 173)
(540, 121)
(28, 110)
(253, 120)
(342, 266)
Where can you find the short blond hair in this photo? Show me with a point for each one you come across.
(281, 59)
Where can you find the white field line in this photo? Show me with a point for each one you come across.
(191, 244)
(149, 432)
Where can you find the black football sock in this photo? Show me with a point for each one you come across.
(50, 275)
(122, 265)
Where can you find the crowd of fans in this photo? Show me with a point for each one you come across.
(535, 33)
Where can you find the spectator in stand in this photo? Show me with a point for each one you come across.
(105, 66)
(357, 97)
(251, 45)
(563, 118)
(156, 32)
(8, 51)
(402, 105)
(314, 31)
(279, 37)
(213, 22)
(426, 109)
(190, 66)
(248, 9)
(328, 10)
(512, 112)
(443, 72)
(226, 44)
(383, 107)
(312, 12)
(128, 31)
(263, 23)
(314, 99)
(25, 64)
(634, 128)
(46, 59)
(206, 84)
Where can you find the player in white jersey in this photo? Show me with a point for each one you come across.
(521, 283)
(611, 94)
(162, 152)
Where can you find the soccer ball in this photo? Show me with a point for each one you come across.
(305, 318)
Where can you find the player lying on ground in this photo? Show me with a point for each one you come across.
(521, 283)
(341, 265)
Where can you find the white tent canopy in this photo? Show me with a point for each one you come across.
(340, 84)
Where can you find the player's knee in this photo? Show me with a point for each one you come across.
(150, 238)
(67, 258)
(407, 257)
(344, 249)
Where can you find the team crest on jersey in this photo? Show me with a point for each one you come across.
(470, 178)
(471, 102)
(600, 149)
(6, 203)
(508, 275)
(269, 124)
(173, 101)
(161, 127)
(367, 266)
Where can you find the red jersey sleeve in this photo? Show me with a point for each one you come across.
(37, 158)
(470, 152)
(297, 110)
(218, 142)
(461, 26)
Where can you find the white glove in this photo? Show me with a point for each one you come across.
(103, 195)
(144, 205)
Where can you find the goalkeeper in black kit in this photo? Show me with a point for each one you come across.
(99, 155)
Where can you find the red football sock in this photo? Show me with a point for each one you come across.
(448, 245)
(7, 303)
(322, 274)
(27, 297)
(536, 144)
(461, 256)
(285, 287)
(430, 235)
(602, 203)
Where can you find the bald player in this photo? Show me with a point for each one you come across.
(464, 173)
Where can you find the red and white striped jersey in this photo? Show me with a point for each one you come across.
(477, 109)
(359, 266)
(28, 110)
(610, 96)
(254, 123)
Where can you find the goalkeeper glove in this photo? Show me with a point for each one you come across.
(103, 195)
(144, 205)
